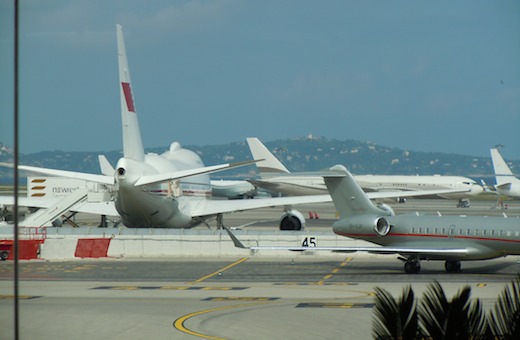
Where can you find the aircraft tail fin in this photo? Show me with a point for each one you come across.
(269, 162)
(132, 143)
(503, 174)
(348, 197)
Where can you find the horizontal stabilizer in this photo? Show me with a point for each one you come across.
(152, 179)
(504, 186)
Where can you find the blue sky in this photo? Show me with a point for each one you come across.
(438, 76)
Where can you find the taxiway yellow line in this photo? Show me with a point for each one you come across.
(219, 271)
(179, 323)
(334, 271)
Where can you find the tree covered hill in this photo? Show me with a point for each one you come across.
(303, 154)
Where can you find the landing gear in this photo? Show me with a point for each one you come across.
(412, 267)
(103, 223)
(452, 266)
(463, 203)
(220, 221)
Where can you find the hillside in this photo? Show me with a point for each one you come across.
(304, 154)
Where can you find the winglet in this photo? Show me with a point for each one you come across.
(132, 143)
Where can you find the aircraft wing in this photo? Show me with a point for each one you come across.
(151, 179)
(371, 249)
(378, 194)
(504, 186)
(109, 180)
(99, 208)
(274, 186)
(213, 207)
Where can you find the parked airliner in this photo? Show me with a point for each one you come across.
(507, 183)
(413, 237)
(275, 178)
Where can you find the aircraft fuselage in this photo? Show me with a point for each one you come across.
(161, 205)
(293, 185)
(483, 237)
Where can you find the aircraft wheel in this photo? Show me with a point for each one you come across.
(412, 267)
(4, 254)
(452, 266)
(290, 223)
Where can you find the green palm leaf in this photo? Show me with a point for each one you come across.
(395, 319)
(505, 320)
(441, 319)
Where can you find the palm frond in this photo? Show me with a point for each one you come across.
(433, 310)
(504, 321)
(395, 319)
(458, 318)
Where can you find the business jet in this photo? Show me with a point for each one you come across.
(507, 183)
(276, 178)
(413, 237)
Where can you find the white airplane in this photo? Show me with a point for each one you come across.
(171, 190)
(275, 178)
(232, 189)
(413, 237)
(507, 183)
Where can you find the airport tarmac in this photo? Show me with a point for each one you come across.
(292, 297)
(215, 298)
(269, 217)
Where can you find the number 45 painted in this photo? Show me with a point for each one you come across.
(309, 242)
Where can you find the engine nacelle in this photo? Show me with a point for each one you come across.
(381, 226)
(292, 220)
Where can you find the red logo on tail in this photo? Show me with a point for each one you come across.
(127, 90)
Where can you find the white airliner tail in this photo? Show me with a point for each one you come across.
(502, 172)
(269, 162)
(507, 183)
(132, 142)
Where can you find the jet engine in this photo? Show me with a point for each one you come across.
(381, 226)
(292, 220)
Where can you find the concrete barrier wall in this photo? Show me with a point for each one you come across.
(61, 243)
(58, 248)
